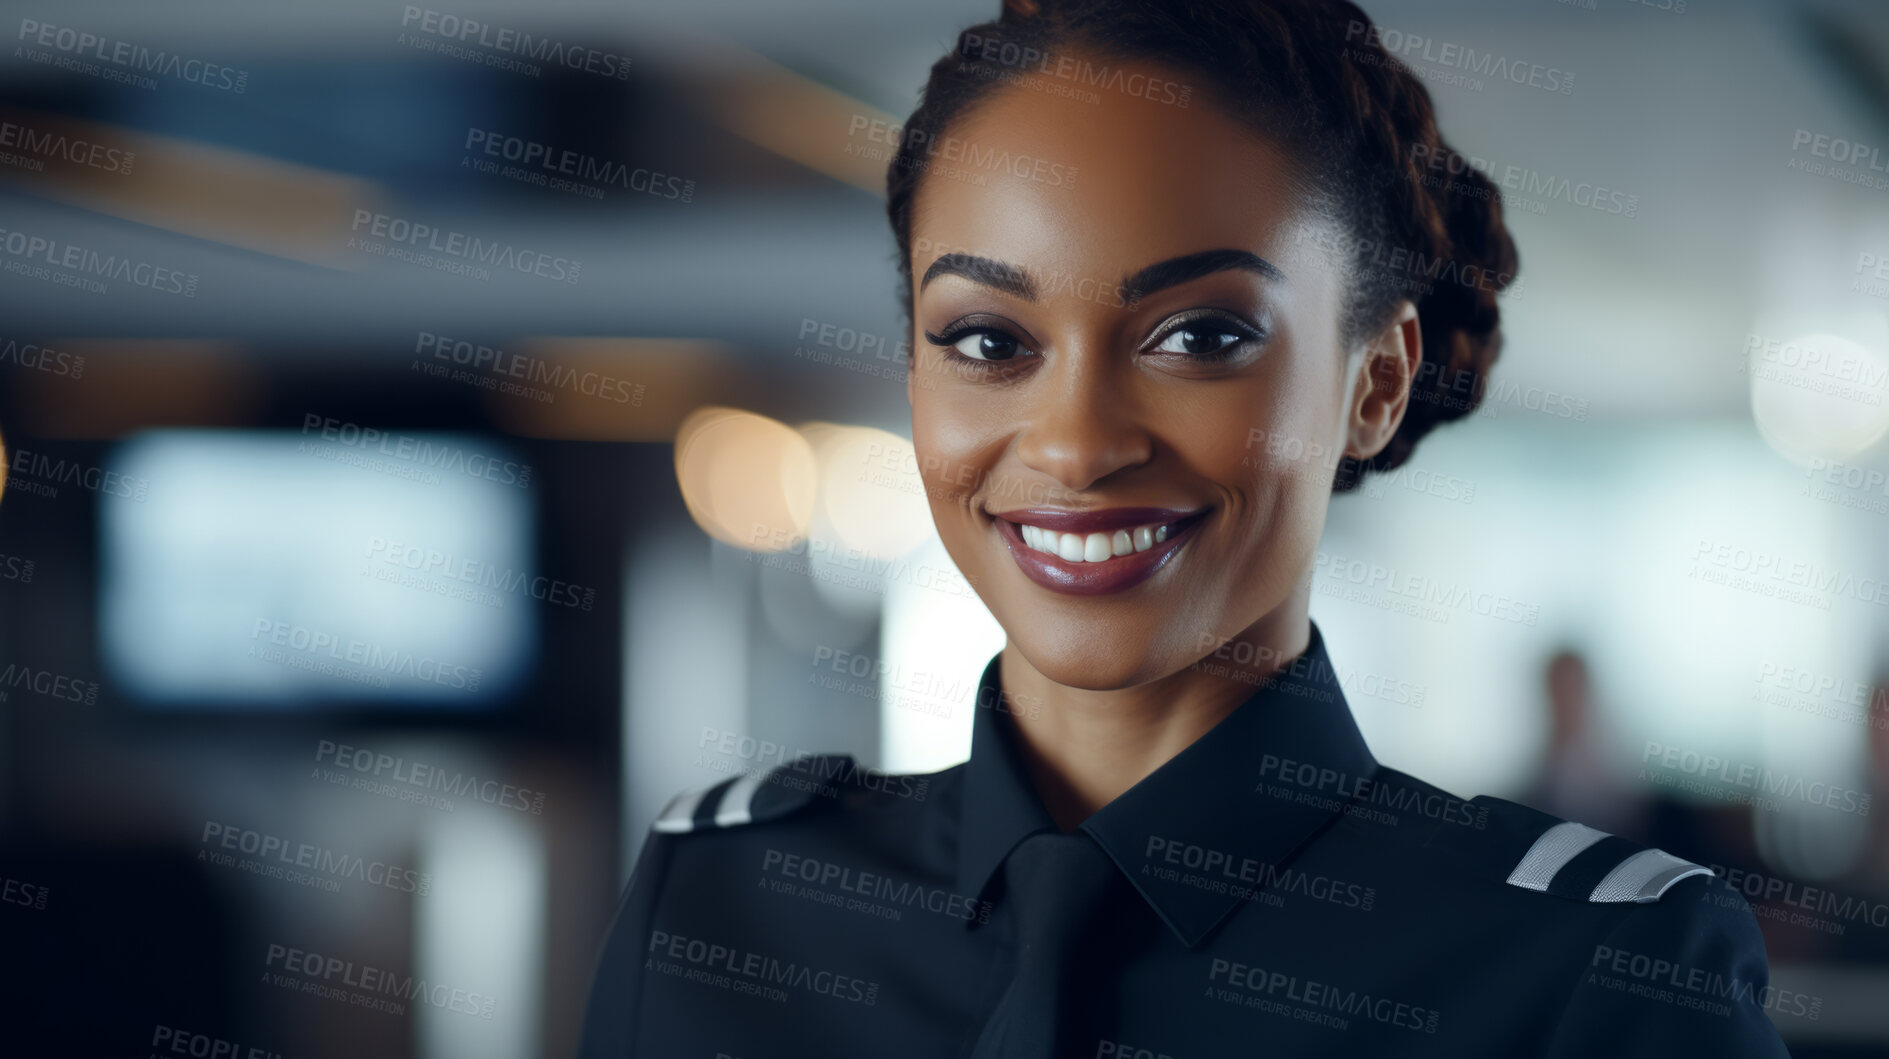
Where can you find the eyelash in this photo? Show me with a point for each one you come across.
(1229, 325)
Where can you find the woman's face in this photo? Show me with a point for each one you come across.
(1210, 399)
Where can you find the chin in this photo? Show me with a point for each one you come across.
(1094, 663)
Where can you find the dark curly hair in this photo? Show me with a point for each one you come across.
(1421, 223)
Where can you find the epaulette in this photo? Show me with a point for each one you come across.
(1539, 851)
(755, 796)
(1582, 863)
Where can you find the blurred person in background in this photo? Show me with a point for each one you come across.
(1577, 777)
(1176, 274)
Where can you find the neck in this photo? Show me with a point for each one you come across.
(1086, 747)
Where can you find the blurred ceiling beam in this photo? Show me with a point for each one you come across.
(787, 113)
(226, 196)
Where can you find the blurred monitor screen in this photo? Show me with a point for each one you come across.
(334, 566)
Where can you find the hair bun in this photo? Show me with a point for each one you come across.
(1015, 10)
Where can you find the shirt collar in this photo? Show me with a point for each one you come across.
(1222, 814)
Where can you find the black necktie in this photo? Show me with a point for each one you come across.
(1055, 883)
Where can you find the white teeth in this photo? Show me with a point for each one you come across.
(1069, 546)
(1092, 547)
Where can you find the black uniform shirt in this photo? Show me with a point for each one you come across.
(1275, 891)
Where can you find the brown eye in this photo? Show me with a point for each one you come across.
(987, 346)
(1209, 337)
(982, 345)
(1197, 341)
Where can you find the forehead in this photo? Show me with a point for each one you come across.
(1050, 175)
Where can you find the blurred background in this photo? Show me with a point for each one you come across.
(385, 389)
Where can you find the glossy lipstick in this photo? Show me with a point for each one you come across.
(1114, 573)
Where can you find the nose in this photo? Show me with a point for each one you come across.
(1083, 423)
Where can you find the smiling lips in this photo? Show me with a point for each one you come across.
(1092, 552)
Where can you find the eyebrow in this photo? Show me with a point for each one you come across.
(1159, 276)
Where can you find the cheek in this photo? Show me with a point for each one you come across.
(1273, 437)
(947, 439)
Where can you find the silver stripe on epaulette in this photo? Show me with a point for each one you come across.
(679, 814)
(737, 804)
(1551, 852)
(1644, 877)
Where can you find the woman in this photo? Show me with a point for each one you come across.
(1176, 273)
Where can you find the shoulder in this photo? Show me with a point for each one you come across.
(826, 790)
(1524, 849)
(1645, 952)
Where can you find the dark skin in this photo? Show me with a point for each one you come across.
(1084, 403)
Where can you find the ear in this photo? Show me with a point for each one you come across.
(1382, 390)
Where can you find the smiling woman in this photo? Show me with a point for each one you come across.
(1176, 274)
